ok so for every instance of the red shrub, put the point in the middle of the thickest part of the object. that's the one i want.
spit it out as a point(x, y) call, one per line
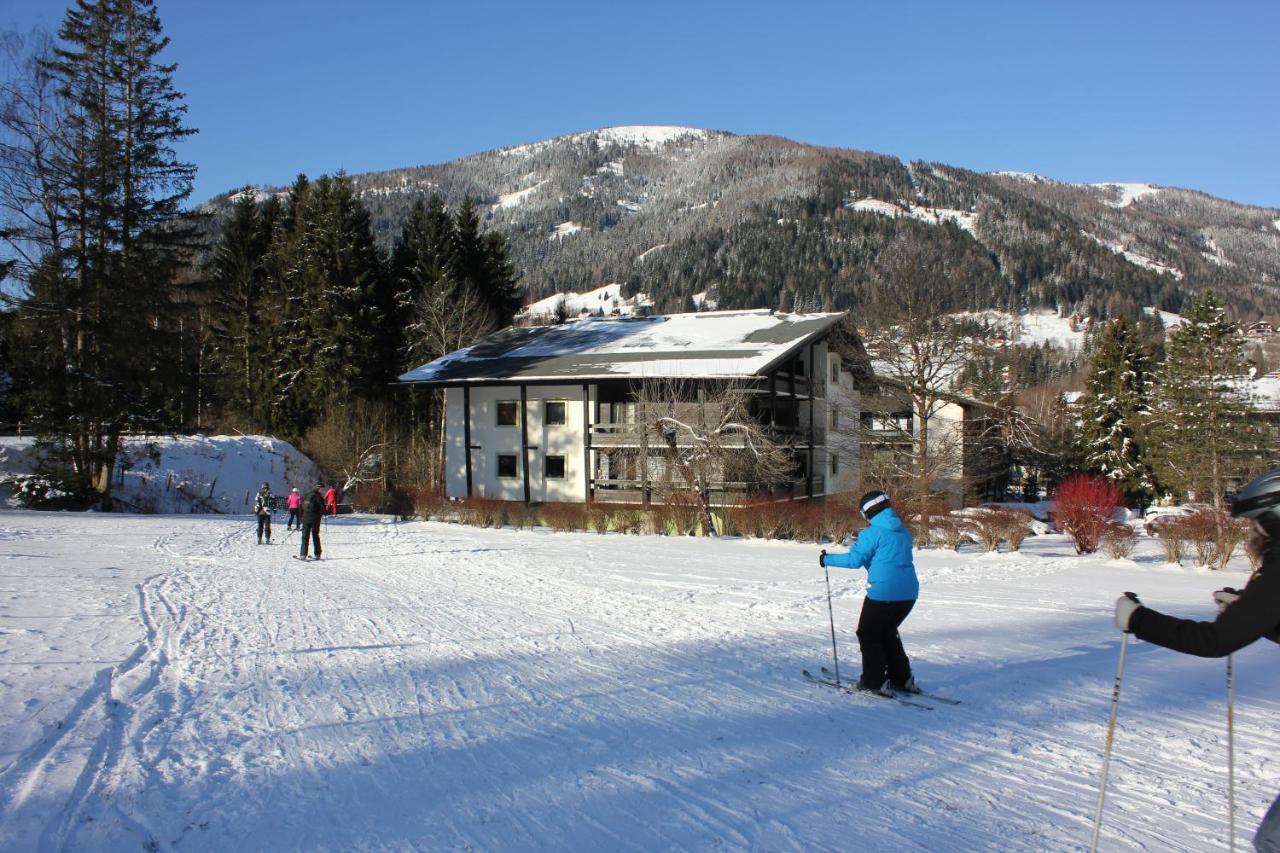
point(1083, 506)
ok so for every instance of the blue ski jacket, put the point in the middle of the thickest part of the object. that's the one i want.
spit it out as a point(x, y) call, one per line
point(884, 550)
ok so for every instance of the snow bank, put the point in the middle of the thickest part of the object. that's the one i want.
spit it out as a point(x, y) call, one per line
point(186, 474)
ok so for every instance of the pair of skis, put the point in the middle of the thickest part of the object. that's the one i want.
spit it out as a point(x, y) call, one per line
point(912, 700)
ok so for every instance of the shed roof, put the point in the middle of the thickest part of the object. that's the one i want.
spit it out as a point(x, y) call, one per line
point(713, 344)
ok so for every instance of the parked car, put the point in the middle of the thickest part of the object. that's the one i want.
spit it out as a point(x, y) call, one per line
point(1159, 515)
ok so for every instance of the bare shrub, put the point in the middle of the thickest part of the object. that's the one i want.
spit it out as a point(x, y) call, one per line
point(1214, 535)
point(481, 512)
point(809, 521)
point(628, 519)
point(988, 527)
point(680, 513)
point(1173, 539)
point(1017, 527)
point(598, 517)
point(947, 532)
point(521, 516)
point(428, 503)
point(1119, 540)
point(564, 517)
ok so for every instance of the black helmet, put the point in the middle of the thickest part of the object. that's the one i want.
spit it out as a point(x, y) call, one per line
point(1259, 499)
point(872, 503)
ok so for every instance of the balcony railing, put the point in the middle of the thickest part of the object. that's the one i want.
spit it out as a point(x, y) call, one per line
point(608, 490)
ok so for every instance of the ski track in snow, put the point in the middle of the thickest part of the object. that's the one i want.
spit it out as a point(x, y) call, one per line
point(432, 686)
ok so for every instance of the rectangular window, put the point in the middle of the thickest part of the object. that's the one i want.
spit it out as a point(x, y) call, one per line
point(507, 467)
point(508, 411)
point(835, 418)
point(555, 467)
point(556, 414)
point(835, 465)
point(835, 370)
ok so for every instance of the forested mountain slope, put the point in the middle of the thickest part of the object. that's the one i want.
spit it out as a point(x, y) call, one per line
point(767, 222)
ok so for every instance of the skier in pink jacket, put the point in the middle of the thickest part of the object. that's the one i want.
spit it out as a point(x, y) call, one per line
point(295, 510)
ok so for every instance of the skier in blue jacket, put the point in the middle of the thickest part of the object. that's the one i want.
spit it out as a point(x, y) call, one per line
point(884, 550)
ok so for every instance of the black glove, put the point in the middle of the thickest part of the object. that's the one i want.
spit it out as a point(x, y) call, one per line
point(1225, 597)
point(822, 558)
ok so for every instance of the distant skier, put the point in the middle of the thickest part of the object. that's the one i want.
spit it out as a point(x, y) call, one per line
point(884, 549)
point(295, 507)
point(331, 501)
point(1243, 617)
point(262, 506)
point(312, 515)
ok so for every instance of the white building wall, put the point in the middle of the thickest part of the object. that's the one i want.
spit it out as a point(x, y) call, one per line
point(489, 441)
point(843, 439)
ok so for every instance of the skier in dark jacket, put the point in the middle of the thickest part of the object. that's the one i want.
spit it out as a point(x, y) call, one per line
point(884, 549)
point(1243, 617)
point(262, 506)
point(312, 514)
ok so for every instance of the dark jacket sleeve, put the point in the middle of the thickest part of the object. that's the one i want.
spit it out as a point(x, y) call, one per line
point(1255, 614)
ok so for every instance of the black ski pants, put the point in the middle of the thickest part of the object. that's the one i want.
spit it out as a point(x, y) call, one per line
point(264, 524)
point(882, 653)
point(295, 519)
point(310, 534)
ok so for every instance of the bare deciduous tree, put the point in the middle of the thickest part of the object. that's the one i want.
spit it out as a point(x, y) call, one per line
point(448, 317)
point(708, 440)
point(919, 351)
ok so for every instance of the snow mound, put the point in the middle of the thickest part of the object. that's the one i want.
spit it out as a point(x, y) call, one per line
point(564, 229)
point(509, 200)
point(187, 474)
point(1123, 195)
point(1134, 257)
point(932, 215)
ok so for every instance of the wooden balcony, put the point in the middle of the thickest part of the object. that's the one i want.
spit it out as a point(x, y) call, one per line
point(722, 494)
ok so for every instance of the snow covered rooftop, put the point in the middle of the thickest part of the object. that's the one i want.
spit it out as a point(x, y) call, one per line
point(722, 344)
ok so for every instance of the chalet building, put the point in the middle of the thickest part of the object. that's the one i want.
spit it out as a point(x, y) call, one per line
point(1261, 330)
point(553, 413)
point(966, 465)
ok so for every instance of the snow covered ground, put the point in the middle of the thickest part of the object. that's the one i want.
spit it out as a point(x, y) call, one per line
point(167, 684)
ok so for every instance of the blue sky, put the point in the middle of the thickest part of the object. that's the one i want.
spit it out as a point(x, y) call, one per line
point(1173, 93)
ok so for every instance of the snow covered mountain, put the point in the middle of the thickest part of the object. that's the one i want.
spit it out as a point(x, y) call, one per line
point(759, 221)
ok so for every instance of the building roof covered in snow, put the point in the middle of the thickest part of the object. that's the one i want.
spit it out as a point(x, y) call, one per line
point(713, 344)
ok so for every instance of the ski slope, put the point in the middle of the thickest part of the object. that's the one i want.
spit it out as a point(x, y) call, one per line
point(166, 684)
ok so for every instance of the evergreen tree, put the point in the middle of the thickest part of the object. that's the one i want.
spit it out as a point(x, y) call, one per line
point(480, 261)
point(336, 300)
point(1201, 432)
point(100, 299)
point(1113, 408)
point(238, 276)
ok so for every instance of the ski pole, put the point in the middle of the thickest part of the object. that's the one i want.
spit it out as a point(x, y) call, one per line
point(1111, 731)
point(1231, 754)
point(831, 614)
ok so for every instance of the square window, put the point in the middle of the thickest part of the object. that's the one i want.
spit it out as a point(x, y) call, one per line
point(555, 467)
point(557, 413)
point(508, 410)
point(507, 467)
